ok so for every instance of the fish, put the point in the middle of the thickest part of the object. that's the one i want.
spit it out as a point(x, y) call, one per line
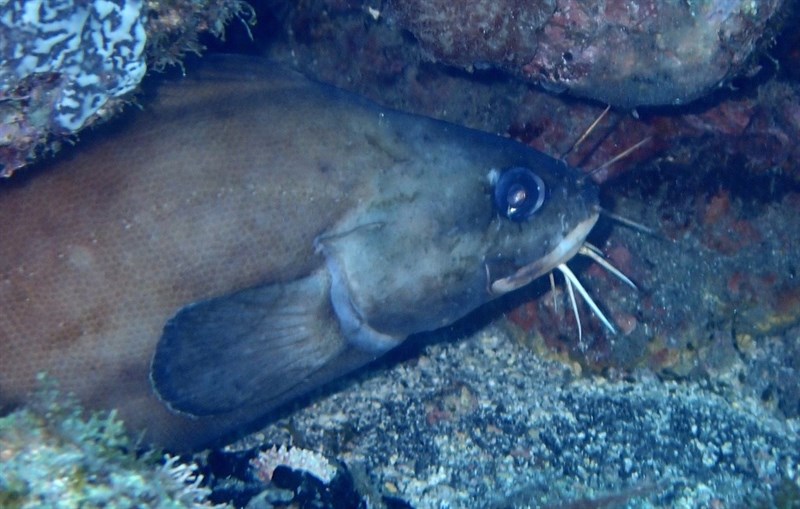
point(248, 235)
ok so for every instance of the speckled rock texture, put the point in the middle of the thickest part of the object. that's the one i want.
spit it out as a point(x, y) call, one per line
point(622, 52)
point(485, 423)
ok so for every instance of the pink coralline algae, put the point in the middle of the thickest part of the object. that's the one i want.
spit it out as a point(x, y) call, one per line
point(625, 53)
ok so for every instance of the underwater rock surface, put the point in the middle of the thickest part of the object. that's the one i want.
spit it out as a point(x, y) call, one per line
point(622, 52)
point(752, 121)
point(486, 423)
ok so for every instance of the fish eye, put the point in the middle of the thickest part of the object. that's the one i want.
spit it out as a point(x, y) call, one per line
point(518, 193)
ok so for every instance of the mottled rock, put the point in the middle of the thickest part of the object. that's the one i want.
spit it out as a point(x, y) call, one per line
point(532, 434)
point(622, 52)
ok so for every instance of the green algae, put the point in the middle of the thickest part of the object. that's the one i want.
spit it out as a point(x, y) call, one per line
point(51, 455)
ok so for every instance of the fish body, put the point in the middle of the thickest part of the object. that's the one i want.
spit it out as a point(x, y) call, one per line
point(250, 235)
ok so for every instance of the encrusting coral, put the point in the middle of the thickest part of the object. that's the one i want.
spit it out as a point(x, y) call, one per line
point(51, 456)
point(64, 64)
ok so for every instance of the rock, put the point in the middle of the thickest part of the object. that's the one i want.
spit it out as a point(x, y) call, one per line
point(622, 52)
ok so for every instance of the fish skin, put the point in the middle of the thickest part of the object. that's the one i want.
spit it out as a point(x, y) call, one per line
point(246, 182)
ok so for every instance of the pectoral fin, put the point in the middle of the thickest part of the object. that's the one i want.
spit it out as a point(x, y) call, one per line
point(255, 348)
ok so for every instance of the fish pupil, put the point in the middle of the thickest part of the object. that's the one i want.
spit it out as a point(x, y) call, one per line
point(517, 196)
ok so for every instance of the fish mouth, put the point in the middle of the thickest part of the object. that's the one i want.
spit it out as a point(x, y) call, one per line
point(563, 252)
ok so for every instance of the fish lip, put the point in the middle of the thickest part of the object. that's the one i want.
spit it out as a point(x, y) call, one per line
point(563, 252)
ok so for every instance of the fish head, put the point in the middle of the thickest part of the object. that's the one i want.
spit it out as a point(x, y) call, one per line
point(460, 223)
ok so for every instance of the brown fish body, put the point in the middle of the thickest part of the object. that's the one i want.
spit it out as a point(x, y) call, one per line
point(98, 252)
point(218, 185)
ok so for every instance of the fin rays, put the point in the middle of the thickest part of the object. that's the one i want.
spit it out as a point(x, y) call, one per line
point(246, 351)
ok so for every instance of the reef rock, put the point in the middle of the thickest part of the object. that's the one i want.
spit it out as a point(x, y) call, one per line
point(623, 52)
